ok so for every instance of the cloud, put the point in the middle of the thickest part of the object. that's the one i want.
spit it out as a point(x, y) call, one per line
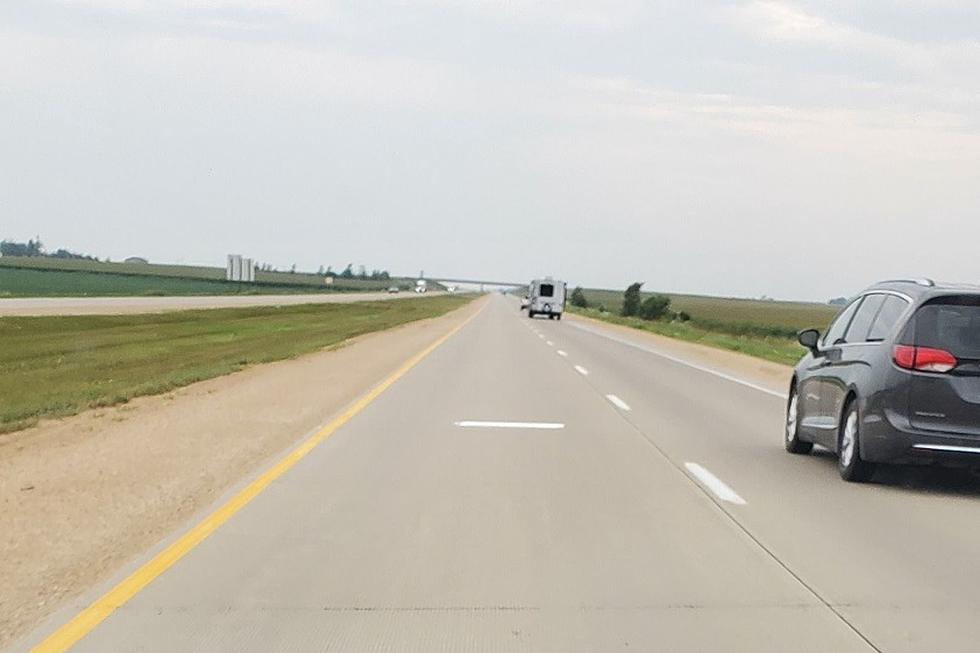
point(580, 14)
point(789, 24)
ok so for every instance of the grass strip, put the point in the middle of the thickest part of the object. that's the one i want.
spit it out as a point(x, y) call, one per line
point(55, 366)
point(772, 348)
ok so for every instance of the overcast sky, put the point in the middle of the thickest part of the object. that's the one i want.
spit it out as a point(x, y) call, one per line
point(799, 150)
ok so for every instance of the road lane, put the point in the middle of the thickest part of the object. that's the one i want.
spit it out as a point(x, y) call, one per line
point(405, 531)
point(894, 558)
point(125, 305)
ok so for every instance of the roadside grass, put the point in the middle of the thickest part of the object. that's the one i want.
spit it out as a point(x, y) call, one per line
point(742, 317)
point(778, 349)
point(60, 365)
point(67, 277)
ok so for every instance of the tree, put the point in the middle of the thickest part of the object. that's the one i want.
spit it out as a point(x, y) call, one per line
point(631, 299)
point(654, 307)
point(361, 272)
point(348, 272)
point(320, 271)
point(35, 247)
point(292, 270)
point(10, 248)
point(578, 298)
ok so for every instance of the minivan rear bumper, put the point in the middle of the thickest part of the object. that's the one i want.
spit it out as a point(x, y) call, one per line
point(886, 442)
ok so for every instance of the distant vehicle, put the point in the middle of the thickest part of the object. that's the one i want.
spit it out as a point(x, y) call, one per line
point(525, 302)
point(420, 285)
point(394, 289)
point(546, 297)
point(896, 379)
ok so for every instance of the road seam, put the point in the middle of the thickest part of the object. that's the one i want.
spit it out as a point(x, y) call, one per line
point(98, 611)
point(720, 506)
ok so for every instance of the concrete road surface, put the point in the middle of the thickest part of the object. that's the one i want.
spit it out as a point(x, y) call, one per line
point(123, 305)
point(558, 486)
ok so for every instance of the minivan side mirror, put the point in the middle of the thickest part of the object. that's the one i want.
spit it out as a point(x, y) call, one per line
point(809, 339)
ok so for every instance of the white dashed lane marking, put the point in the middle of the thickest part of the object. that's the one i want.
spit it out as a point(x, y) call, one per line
point(714, 484)
point(617, 402)
point(470, 424)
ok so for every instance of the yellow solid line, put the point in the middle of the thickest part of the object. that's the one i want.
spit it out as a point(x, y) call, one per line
point(86, 620)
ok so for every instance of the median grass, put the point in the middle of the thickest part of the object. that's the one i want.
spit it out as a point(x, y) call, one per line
point(59, 365)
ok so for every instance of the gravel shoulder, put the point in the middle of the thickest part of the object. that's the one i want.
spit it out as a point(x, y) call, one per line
point(82, 496)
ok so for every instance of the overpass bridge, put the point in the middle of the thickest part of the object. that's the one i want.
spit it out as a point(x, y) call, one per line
point(479, 282)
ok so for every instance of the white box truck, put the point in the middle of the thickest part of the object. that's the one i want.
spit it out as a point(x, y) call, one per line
point(546, 297)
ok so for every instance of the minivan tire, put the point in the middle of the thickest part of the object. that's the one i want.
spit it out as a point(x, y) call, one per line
point(530, 313)
point(851, 466)
point(791, 434)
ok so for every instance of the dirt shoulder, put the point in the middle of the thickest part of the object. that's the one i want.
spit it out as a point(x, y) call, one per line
point(767, 374)
point(81, 496)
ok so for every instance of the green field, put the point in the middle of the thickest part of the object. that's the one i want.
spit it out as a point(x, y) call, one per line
point(19, 282)
point(731, 315)
point(50, 277)
point(762, 328)
point(56, 366)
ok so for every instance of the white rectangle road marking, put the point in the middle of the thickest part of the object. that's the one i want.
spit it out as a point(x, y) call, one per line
point(617, 402)
point(562, 352)
point(549, 343)
point(581, 370)
point(681, 361)
point(714, 484)
point(509, 425)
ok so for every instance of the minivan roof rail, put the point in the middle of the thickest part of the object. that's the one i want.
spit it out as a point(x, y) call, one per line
point(921, 281)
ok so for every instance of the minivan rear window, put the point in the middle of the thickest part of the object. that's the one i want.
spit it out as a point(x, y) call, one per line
point(949, 323)
point(546, 290)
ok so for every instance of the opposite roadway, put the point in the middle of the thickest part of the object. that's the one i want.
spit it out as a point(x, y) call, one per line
point(122, 305)
point(638, 503)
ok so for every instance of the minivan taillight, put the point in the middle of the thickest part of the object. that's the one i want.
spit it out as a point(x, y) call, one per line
point(923, 359)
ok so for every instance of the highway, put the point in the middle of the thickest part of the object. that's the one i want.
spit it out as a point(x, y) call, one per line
point(560, 486)
point(123, 305)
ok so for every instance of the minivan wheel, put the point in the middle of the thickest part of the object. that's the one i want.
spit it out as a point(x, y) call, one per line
point(792, 435)
point(530, 313)
point(849, 462)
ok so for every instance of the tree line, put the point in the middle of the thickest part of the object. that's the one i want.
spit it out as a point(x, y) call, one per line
point(34, 247)
point(654, 307)
point(349, 273)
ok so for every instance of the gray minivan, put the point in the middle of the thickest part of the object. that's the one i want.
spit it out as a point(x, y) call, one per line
point(896, 379)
